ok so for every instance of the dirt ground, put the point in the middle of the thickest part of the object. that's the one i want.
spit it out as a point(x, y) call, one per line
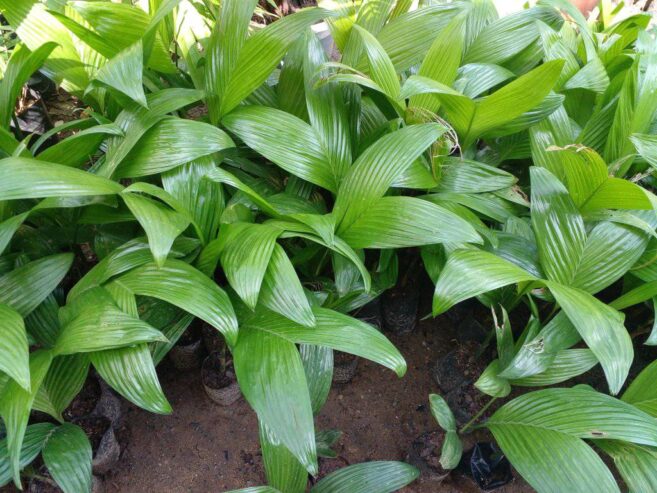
point(203, 447)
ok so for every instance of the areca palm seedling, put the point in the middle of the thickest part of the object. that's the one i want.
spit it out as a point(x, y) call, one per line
point(241, 175)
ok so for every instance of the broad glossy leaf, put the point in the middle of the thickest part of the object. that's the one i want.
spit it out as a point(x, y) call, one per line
point(566, 364)
point(26, 178)
point(476, 78)
point(272, 379)
point(261, 53)
point(285, 140)
point(181, 285)
point(170, 143)
point(395, 222)
point(24, 288)
point(469, 273)
point(132, 254)
point(95, 310)
point(509, 35)
point(557, 419)
point(337, 331)
point(67, 454)
point(377, 168)
point(368, 477)
point(35, 26)
point(135, 121)
point(465, 176)
point(515, 98)
point(62, 383)
point(609, 252)
point(79, 148)
point(14, 348)
point(408, 37)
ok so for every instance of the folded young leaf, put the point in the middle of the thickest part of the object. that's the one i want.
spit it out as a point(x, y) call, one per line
point(381, 69)
point(14, 348)
point(327, 111)
point(452, 449)
point(123, 73)
point(646, 145)
point(161, 224)
point(26, 178)
point(368, 477)
point(442, 62)
point(260, 55)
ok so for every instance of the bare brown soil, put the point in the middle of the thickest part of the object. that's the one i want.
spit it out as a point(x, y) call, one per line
point(203, 447)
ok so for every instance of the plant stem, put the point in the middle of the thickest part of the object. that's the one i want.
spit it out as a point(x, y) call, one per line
point(477, 416)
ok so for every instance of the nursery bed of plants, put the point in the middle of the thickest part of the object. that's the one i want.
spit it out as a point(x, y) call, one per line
point(344, 246)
